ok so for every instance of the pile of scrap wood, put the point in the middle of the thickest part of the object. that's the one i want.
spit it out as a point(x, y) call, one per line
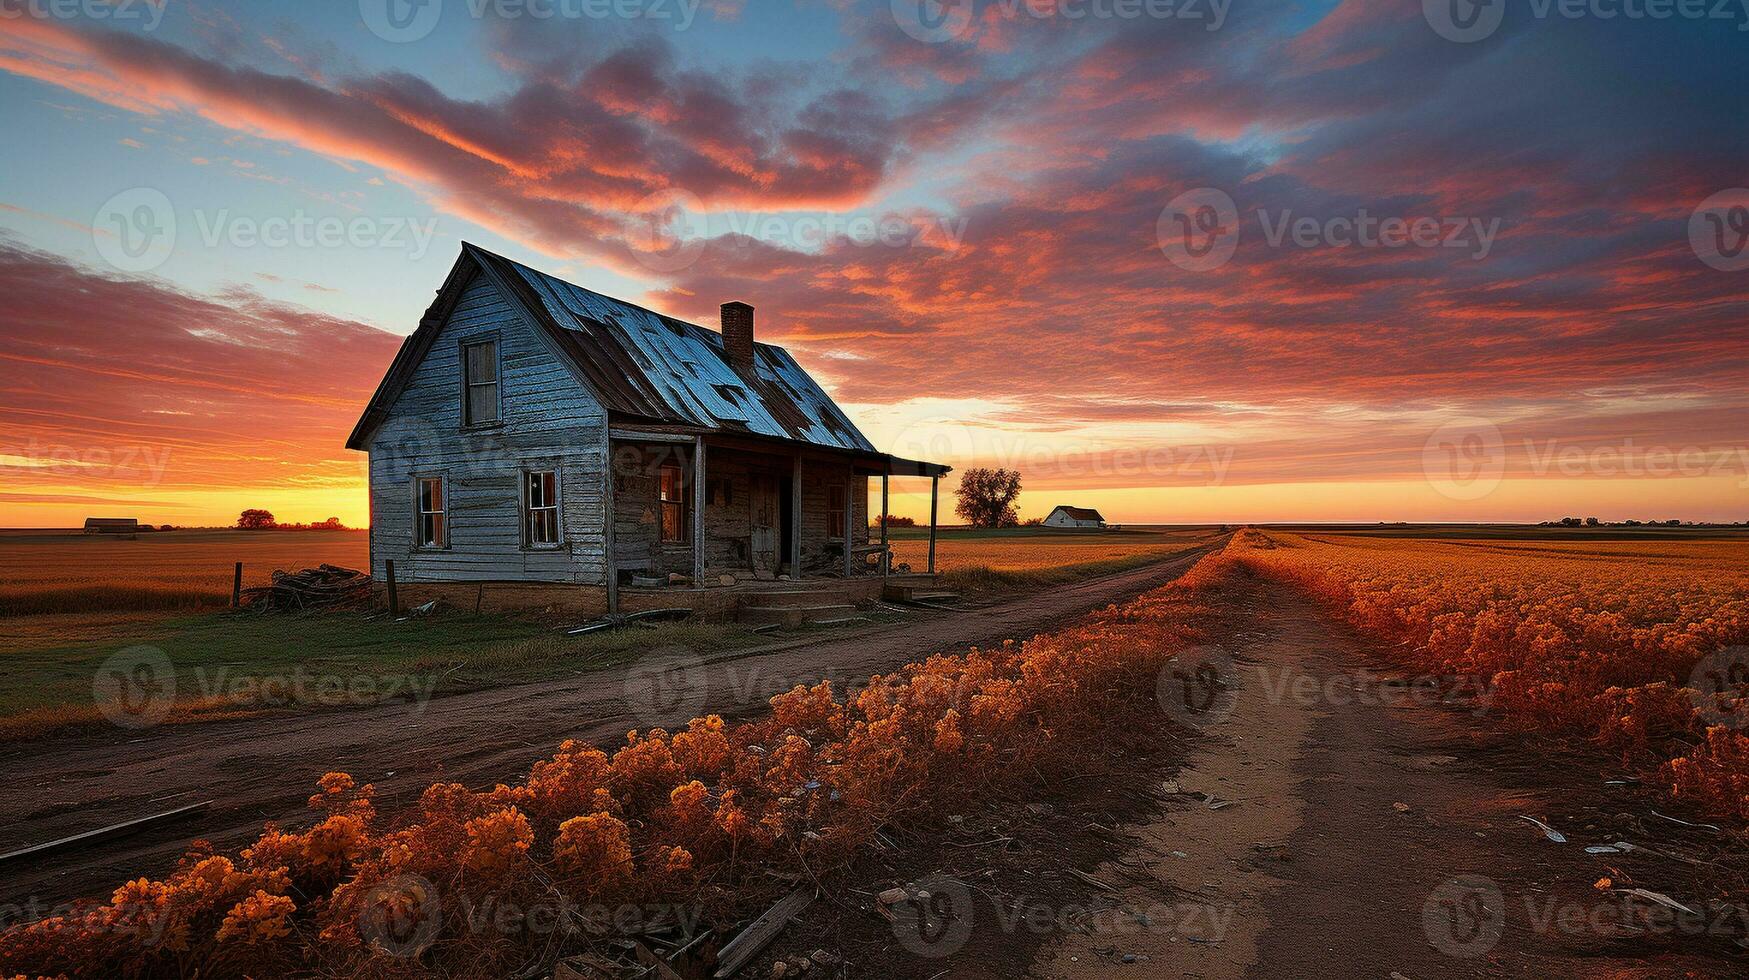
point(322, 587)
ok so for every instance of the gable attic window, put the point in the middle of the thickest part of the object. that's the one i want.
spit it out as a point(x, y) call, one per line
point(480, 382)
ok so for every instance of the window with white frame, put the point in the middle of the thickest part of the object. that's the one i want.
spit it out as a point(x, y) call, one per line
point(432, 530)
point(540, 509)
point(480, 382)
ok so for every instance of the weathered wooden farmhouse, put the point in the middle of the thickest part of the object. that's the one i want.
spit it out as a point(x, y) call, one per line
point(531, 430)
point(1083, 517)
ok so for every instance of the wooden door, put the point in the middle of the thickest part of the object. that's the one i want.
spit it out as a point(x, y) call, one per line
point(764, 516)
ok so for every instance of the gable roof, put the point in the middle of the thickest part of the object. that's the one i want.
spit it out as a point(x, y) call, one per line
point(1080, 513)
point(641, 365)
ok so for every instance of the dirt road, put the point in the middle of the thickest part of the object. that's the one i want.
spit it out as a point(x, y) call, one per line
point(262, 769)
point(1372, 829)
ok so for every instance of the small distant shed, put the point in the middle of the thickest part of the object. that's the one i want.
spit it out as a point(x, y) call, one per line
point(111, 525)
point(1066, 516)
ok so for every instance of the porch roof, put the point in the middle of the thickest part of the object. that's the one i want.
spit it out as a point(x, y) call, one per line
point(869, 461)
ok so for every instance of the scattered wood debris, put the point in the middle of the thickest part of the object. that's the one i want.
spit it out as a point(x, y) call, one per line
point(102, 833)
point(323, 587)
point(759, 935)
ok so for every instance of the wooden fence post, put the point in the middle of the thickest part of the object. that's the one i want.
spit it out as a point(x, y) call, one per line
point(237, 587)
point(394, 597)
point(934, 494)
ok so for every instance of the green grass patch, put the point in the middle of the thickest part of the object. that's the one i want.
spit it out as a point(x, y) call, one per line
point(225, 664)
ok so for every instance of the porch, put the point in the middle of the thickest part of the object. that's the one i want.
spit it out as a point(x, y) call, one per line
point(704, 519)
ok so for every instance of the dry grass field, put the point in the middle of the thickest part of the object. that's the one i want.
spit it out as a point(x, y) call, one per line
point(1641, 647)
point(60, 572)
point(988, 560)
point(69, 572)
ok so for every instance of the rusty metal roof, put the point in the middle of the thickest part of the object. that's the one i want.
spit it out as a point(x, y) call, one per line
point(645, 365)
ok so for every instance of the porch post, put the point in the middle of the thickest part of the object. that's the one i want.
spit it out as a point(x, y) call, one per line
point(795, 518)
point(850, 519)
point(886, 556)
point(607, 507)
point(698, 503)
point(934, 491)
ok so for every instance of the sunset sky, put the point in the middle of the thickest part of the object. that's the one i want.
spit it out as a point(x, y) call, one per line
point(966, 225)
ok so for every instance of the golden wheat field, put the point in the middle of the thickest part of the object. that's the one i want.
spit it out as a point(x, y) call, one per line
point(1641, 646)
point(1026, 549)
point(69, 572)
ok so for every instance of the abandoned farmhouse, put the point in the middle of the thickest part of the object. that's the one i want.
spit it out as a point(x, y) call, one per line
point(534, 431)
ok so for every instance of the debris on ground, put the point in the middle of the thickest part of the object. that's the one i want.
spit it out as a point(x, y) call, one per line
point(613, 620)
point(323, 587)
point(1548, 831)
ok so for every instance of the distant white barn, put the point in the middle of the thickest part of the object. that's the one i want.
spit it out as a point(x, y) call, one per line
point(1066, 516)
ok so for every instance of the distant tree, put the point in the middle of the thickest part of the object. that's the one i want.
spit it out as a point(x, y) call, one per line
point(255, 519)
point(331, 524)
point(894, 520)
point(1033, 522)
point(986, 497)
point(1592, 522)
point(1570, 522)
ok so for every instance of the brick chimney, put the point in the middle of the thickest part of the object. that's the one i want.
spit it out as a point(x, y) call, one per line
point(738, 336)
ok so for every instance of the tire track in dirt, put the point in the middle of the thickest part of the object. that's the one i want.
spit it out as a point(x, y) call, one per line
point(265, 768)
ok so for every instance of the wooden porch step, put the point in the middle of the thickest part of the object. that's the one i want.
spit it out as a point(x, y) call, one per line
point(917, 591)
point(793, 615)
